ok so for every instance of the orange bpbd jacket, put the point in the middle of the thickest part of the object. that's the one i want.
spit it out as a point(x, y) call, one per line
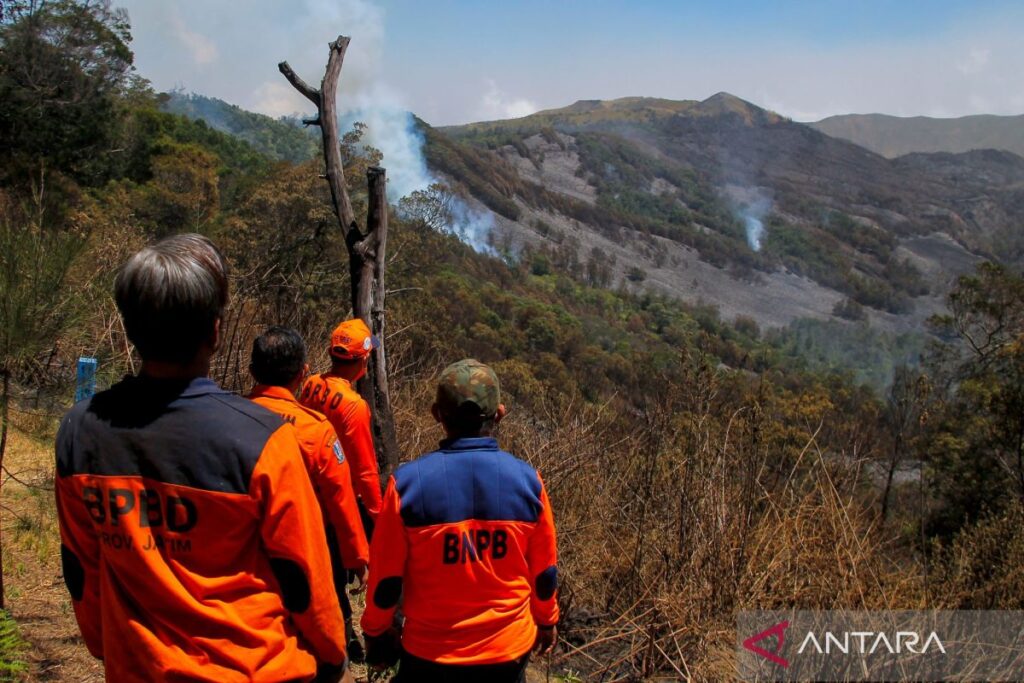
point(466, 534)
point(328, 471)
point(192, 542)
point(350, 416)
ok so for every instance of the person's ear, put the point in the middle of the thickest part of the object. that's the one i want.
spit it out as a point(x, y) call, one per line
point(500, 414)
point(215, 338)
point(298, 379)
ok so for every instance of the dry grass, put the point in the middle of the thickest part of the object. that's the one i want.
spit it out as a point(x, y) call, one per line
point(666, 529)
point(36, 594)
point(671, 518)
point(675, 517)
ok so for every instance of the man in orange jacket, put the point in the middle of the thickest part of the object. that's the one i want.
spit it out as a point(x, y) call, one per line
point(279, 365)
point(466, 540)
point(191, 540)
point(333, 394)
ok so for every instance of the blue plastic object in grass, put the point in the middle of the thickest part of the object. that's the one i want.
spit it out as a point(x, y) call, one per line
point(85, 384)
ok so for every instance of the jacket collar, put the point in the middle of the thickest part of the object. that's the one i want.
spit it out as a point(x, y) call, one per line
point(197, 386)
point(478, 443)
point(202, 385)
point(337, 378)
point(270, 391)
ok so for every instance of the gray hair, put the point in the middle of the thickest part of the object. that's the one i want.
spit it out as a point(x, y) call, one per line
point(170, 296)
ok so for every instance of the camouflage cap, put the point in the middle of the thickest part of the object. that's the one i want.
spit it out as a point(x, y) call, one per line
point(469, 382)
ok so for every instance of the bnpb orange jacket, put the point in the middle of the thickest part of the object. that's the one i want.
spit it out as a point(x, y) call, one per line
point(466, 534)
point(328, 471)
point(350, 416)
point(191, 539)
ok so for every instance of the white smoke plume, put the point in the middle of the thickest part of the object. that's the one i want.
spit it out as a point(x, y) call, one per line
point(391, 128)
point(755, 228)
point(753, 220)
point(214, 38)
point(473, 227)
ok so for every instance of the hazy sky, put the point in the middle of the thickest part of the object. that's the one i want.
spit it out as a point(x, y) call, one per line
point(454, 61)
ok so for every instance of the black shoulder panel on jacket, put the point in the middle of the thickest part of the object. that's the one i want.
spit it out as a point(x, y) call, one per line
point(193, 434)
point(295, 589)
point(74, 573)
point(388, 593)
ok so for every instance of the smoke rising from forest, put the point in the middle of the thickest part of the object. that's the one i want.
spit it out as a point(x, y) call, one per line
point(753, 220)
point(392, 130)
point(391, 127)
point(755, 228)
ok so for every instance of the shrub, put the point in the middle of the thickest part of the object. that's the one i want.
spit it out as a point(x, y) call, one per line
point(12, 649)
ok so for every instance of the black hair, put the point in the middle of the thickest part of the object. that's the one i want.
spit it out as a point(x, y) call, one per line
point(278, 355)
point(465, 420)
point(340, 363)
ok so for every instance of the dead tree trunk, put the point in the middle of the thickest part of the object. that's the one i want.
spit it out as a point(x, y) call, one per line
point(377, 225)
point(366, 251)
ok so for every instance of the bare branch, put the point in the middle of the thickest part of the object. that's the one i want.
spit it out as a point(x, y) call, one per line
point(327, 119)
point(332, 141)
point(310, 93)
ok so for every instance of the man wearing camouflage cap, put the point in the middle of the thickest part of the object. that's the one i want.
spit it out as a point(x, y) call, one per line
point(466, 540)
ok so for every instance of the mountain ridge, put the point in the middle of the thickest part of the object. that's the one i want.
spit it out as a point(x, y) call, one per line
point(659, 194)
point(893, 136)
point(588, 112)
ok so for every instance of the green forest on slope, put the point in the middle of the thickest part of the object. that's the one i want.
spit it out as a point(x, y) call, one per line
point(283, 139)
point(686, 459)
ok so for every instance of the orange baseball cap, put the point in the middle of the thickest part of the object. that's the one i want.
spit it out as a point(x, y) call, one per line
point(352, 339)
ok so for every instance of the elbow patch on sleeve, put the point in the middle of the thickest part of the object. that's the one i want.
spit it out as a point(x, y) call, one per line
point(547, 583)
point(294, 584)
point(388, 592)
point(74, 573)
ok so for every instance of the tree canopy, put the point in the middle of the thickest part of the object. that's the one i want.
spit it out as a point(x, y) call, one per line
point(63, 67)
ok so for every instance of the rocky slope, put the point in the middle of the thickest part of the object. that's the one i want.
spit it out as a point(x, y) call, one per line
point(672, 188)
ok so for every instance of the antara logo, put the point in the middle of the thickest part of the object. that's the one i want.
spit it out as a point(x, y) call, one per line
point(779, 631)
point(870, 642)
point(842, 642)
